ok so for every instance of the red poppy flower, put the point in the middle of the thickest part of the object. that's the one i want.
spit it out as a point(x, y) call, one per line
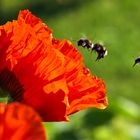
point(45, 73)
point(20, 122)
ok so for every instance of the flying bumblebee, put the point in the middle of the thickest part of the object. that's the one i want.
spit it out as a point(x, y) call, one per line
point(98, 48)
point(85, 43)
point(137, 61)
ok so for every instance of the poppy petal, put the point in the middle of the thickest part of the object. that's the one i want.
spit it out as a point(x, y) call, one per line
point(47, 74)
point(20, 122)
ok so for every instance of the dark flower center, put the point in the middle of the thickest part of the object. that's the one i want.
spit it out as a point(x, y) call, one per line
point(10, 86)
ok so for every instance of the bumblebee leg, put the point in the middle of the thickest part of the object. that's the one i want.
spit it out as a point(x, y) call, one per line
point(134, 64)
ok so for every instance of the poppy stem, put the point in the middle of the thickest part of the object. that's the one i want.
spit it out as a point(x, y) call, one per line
point(3, 96)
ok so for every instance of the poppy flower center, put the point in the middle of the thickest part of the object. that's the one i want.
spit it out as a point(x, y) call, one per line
point(10, 86)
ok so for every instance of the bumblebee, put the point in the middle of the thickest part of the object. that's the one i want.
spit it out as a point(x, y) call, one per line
point(98, 48)
point(85, 43)
point(137, 61)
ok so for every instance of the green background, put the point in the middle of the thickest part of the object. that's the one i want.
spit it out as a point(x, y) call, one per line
point(115, 23)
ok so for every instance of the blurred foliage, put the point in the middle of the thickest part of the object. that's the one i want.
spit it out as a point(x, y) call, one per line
point(116, 24)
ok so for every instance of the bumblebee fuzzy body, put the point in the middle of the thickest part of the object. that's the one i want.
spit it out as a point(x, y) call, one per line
point(84, 43)
point(98, 48)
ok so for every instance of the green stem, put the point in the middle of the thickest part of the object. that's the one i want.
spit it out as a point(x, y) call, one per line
point(3, 96)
